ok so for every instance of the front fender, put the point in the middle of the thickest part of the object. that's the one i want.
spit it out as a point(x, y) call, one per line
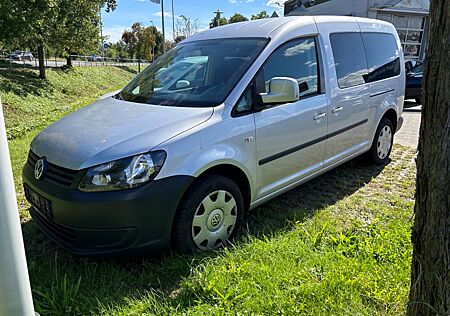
point(220, 141)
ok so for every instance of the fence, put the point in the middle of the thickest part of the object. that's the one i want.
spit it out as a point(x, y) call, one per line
point(29, 60)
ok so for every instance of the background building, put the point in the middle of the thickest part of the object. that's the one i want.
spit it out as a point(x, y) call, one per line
point(410, 17)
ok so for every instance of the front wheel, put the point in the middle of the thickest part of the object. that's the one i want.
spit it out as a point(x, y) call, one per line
point(209, 216)
point(382, 143)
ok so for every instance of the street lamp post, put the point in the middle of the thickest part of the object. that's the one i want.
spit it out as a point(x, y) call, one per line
point(154, 41)
point(15, 291)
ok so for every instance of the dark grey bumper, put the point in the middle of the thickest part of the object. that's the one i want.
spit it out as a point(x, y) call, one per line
point(137, 221)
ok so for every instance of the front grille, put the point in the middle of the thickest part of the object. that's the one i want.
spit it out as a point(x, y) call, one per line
point(54, 173)
point(59, 232)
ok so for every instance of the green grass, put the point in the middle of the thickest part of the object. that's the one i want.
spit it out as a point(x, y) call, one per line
point(338, 245)
point(30, 103)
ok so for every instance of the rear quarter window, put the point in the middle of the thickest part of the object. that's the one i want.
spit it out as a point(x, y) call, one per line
point(383, 56)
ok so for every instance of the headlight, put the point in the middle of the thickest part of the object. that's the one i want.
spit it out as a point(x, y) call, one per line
point(122, 174)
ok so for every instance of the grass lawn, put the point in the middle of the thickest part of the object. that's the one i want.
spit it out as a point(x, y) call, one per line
point(338, 245)
point(31, 103)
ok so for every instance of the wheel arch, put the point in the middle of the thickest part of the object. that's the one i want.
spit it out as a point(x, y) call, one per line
point(390, 114)
point(234, 173)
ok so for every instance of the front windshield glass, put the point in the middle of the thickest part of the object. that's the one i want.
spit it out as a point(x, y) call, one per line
point(195, 74)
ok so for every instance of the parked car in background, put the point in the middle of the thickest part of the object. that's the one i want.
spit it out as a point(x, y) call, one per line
point(21, 55)
point(16, 55)
point(228, 119)
point(95, 58)
point(414, 78)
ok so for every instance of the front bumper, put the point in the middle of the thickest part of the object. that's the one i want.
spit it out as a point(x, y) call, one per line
point(135, 221)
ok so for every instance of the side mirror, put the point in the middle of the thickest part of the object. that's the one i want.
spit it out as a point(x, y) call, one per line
point(109, 94)
point(182, 84)
point(281, 90)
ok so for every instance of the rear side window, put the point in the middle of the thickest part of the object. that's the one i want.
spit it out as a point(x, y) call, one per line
point(382, 56)
point(349, 59)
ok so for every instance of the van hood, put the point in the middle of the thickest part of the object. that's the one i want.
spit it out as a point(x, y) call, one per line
point(112, 129)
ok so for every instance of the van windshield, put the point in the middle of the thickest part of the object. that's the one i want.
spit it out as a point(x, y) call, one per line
point(195, 74)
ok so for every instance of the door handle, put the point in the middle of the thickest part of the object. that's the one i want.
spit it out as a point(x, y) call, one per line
point(320, 116)
point(337, 109)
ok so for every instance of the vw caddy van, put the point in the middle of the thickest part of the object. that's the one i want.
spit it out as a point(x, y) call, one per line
point(228, 119)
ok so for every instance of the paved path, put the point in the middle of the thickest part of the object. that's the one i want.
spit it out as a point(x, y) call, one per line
point(409, 133)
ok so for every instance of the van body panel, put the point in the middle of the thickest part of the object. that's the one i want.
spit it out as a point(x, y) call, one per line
point(290, 142)
point(222, 140)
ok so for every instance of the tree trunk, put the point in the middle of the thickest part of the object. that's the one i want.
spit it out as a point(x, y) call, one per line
point(430, 270)
point(41, 62)
point(69, 61)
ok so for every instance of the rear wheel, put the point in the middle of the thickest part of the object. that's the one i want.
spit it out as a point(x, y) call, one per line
point(209, 216)
point(382, 143)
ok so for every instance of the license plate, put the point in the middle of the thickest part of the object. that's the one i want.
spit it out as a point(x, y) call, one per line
point(39, 202)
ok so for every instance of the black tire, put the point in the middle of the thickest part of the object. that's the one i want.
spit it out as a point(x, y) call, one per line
point(374, 153)
point(182, 230)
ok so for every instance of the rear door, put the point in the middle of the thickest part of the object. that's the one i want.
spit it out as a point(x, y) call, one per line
point(349, 98)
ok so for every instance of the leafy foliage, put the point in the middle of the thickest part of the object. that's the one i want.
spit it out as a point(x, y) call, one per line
point(260, 15)
point(141, 42)
point(237, 17)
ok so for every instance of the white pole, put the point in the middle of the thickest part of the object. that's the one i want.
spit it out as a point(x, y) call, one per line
point(15, 291)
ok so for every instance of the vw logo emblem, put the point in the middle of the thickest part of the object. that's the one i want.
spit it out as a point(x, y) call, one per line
point(39, 168)
point(215, 220)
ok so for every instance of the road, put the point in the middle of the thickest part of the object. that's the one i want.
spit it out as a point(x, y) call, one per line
point(408, 135)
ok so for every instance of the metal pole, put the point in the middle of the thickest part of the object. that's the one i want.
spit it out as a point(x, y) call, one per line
point(15, 291)
point(164, 33)
point(173, 23)
point(154, 42)
point(101, 33)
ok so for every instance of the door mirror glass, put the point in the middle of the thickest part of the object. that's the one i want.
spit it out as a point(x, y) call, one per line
point(281, 90)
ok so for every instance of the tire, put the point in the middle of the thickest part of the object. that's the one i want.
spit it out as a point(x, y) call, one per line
point(217, 219)
point(382, 142)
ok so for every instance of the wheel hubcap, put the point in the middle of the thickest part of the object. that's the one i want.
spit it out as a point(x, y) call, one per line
point(214, 220)
point(384, 142)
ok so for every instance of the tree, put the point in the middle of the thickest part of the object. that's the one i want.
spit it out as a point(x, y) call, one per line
point(185, 27)
point(237, 17)
point(50, 23)
point(142, 42)
point(77, 25)
point(260, 15)
point(430, 271)
point(217, 22)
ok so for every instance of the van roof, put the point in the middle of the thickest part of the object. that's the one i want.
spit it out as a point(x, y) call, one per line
point(269, 27)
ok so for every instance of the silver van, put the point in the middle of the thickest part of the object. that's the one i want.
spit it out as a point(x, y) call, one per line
point(227, 120)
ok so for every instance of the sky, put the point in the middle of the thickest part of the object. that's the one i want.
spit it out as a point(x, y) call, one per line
point(144, 11)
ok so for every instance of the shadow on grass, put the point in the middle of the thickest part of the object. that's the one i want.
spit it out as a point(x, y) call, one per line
point(129, 69)
point(23, 82)
point(107, 281)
